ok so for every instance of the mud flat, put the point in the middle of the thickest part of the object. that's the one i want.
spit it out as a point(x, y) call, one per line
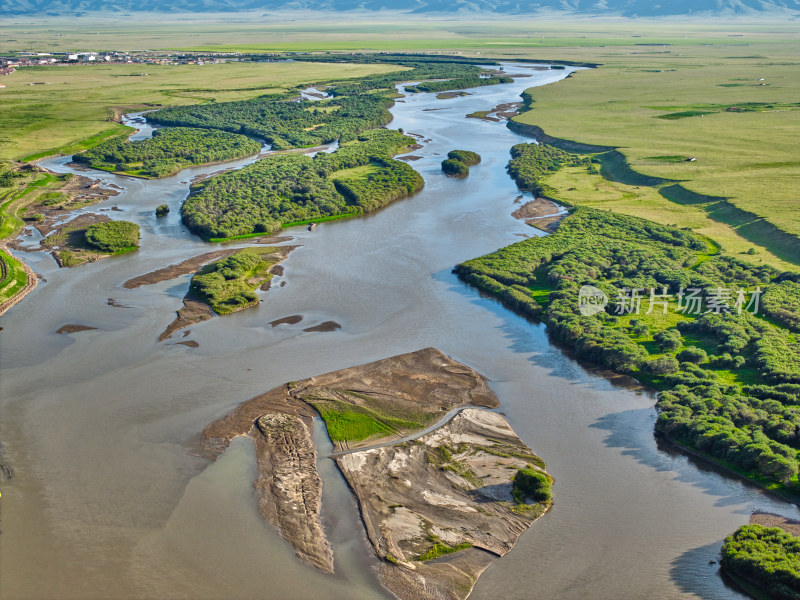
point(499, 113)
point(324, 326)
point(447, 493)
point(74, 328)
point(190, 265)
point(540, 213)
point(774, 520)
point(438, 508)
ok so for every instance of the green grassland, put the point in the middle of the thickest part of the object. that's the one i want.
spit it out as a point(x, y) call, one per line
point(306, 32)
point(743, 182)
point(13, 277)
point(75, 107)
point(351, 422)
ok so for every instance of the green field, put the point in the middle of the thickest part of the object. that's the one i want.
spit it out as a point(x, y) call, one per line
point(349, 422)
point(77, 103)
point(742, 187)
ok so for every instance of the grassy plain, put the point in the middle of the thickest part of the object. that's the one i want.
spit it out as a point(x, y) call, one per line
point(77, 102)
point(747, 171)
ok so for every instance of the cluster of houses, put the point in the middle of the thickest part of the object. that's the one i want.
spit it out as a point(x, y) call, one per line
point(8, 63)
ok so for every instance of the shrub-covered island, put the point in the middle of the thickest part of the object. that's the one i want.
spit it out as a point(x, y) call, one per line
point(767, 558)
point(467, 157)
point(229, 285)
point(458, 162)
point(168, 151)
point(287, 189)
point(114, 237)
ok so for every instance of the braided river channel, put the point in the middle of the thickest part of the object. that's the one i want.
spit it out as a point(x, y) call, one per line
point(111, 499)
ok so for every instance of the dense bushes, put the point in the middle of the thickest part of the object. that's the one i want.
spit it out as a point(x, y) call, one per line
point(113, 236)
point(458, 162)
point(228, 285)
point(459, 83)
point(455, 168)
point(288, 188)
point(285, 123)
point(700, 365)
point(782, 303)
point(533, 484)
point(168, 151)
point(766, 557)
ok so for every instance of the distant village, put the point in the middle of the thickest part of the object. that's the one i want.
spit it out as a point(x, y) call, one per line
point(9, 64)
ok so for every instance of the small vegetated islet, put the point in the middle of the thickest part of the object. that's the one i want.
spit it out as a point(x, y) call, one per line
point(229, 285)
point(458, 162)
point(114, 237)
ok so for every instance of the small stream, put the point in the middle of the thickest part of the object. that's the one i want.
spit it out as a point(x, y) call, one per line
point(111, 500)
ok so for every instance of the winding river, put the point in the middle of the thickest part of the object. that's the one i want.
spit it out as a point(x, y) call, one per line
point(110, 500)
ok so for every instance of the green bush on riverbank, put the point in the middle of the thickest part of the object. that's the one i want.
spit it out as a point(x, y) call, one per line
point(531, 162)
point(766, 557)
point(532, 484)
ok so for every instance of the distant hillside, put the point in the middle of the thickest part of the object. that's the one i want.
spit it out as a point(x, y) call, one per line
point(628, 8)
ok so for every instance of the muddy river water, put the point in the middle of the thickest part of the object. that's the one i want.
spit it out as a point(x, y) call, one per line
point(109, 498)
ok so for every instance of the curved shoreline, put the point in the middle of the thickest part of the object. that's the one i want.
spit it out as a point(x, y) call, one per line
point(33, 281)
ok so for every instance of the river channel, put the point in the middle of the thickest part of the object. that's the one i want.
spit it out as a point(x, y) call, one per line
point(109, 498)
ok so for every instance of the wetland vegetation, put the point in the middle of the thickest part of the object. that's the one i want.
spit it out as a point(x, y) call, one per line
point(288, 189)
point(167, 152)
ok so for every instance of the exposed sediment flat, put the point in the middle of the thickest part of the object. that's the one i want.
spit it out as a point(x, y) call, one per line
point(449, 488)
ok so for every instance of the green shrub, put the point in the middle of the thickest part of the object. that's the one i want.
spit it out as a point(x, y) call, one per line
point(168, 151)
point(766, 557)
point(692, 354)
point(162, 211)
point(533, 484)
point(112, 236)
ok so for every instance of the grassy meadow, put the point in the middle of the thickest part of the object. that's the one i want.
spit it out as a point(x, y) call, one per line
point(661, 108)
